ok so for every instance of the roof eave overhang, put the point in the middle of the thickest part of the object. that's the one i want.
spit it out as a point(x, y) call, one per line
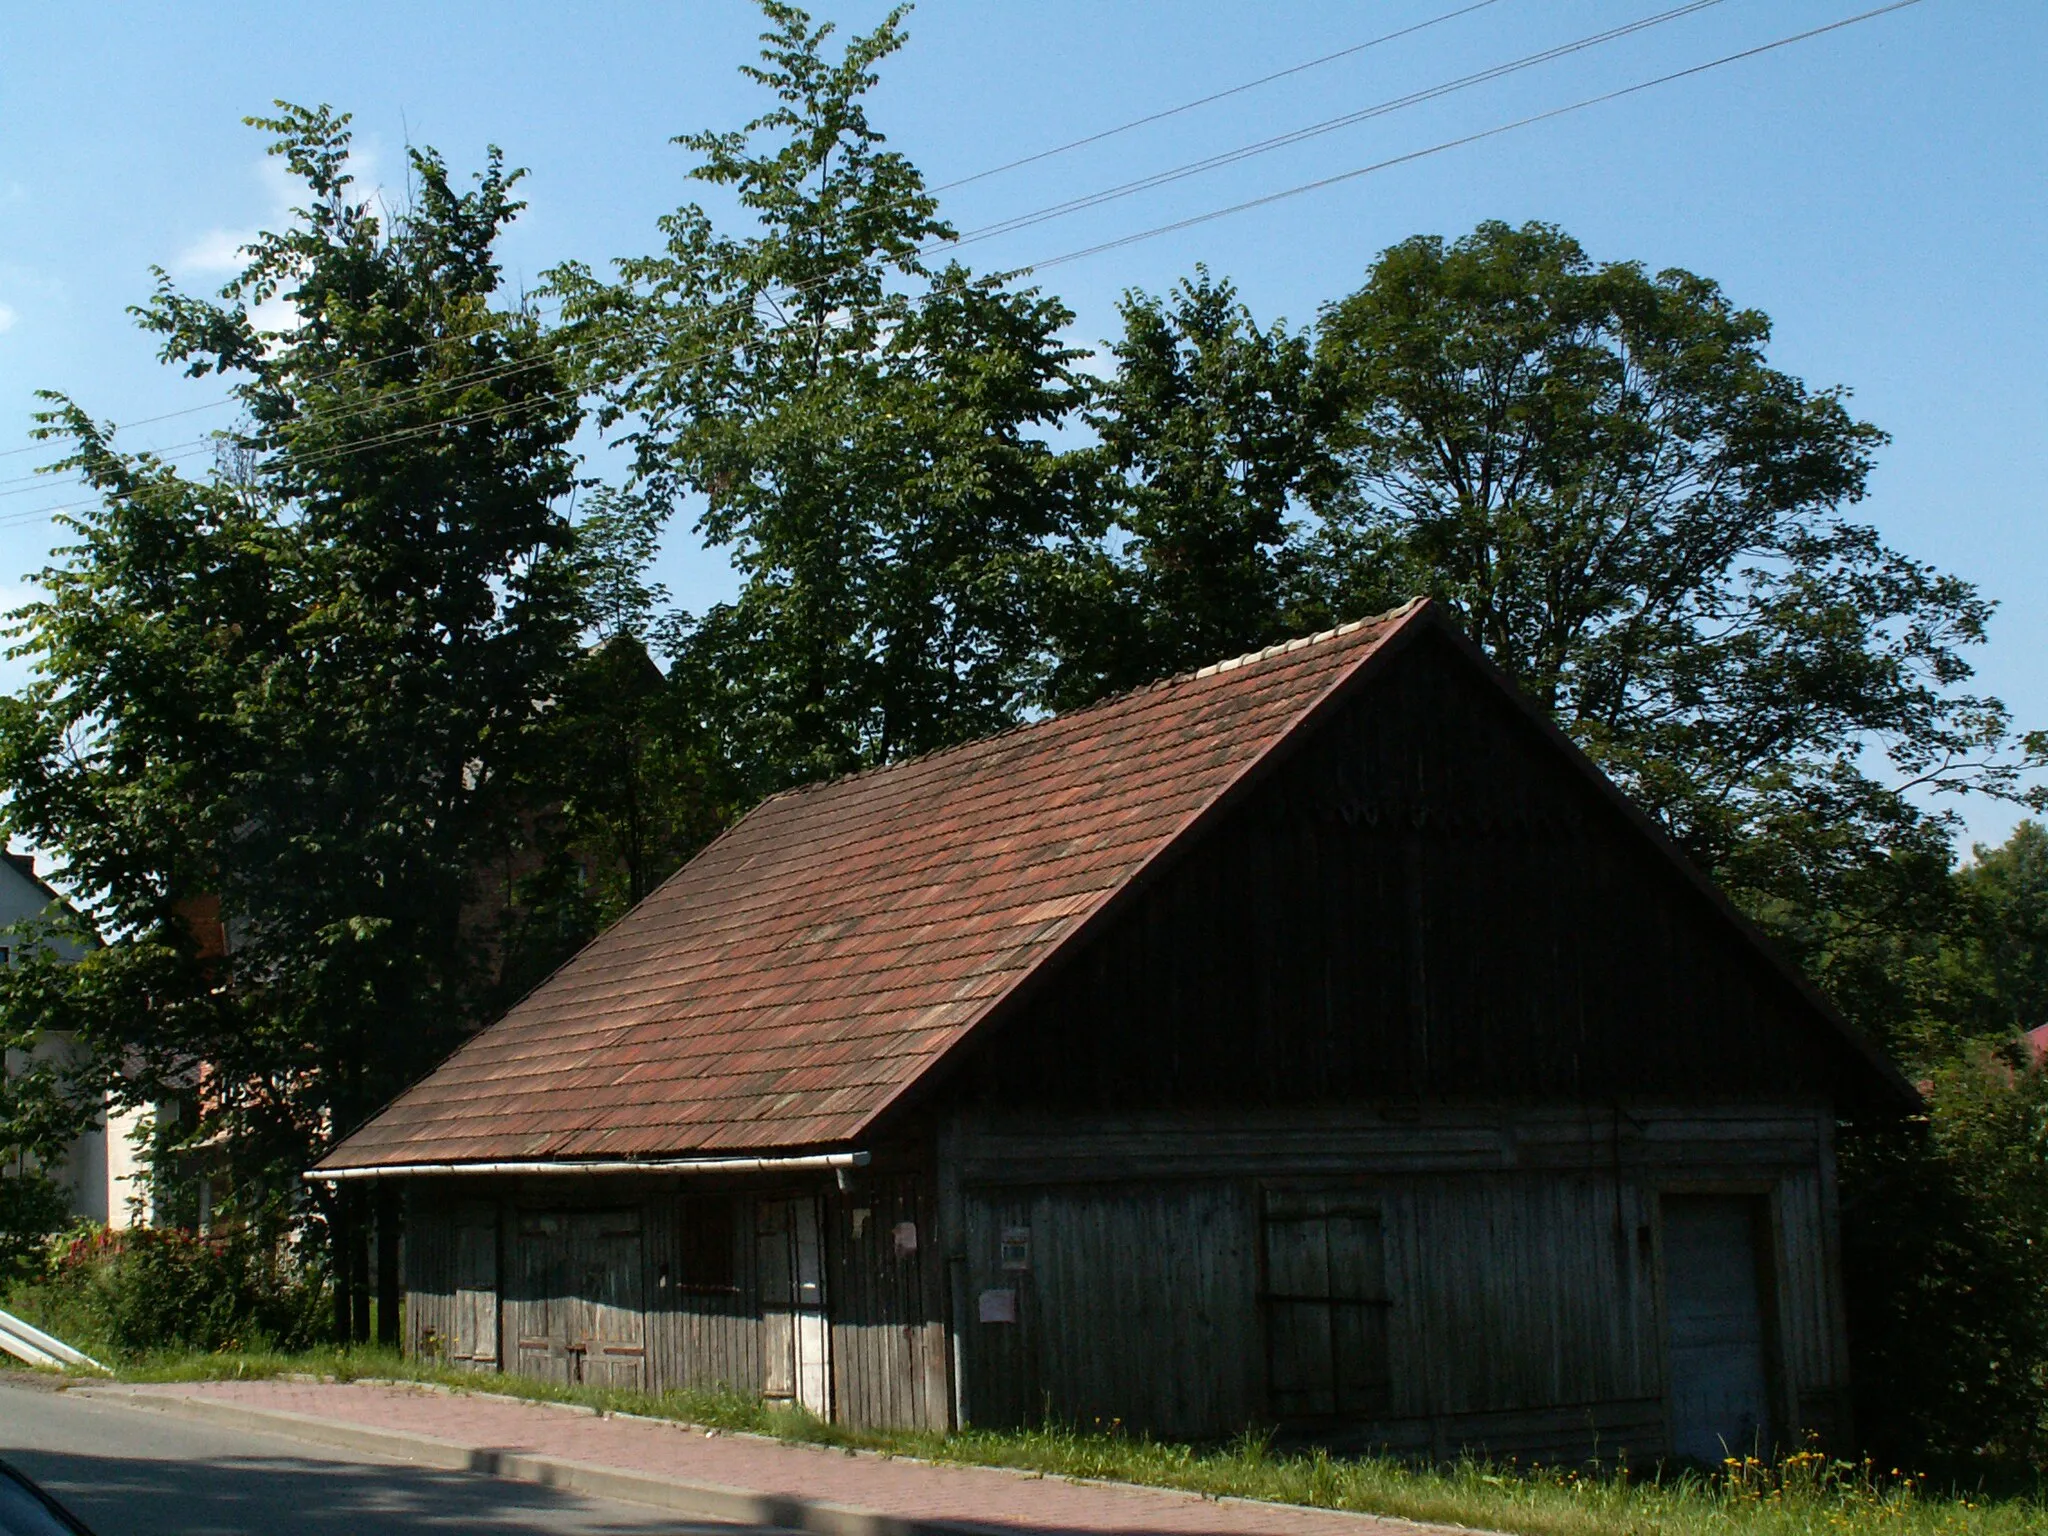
point(800, 1162)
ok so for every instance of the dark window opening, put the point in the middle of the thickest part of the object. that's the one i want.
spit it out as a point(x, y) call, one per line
point(1326, 1306)
point(709, 1245)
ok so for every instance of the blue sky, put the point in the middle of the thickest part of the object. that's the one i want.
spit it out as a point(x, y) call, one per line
point(1878, 191)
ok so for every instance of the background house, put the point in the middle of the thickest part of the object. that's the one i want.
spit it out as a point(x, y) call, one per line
point(102, 1170)
point(1315, 1040)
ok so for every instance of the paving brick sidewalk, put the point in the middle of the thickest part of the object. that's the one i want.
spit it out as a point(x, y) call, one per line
point(905, 1489)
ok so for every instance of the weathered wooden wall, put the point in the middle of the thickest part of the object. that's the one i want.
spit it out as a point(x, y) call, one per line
point(1519, 1244)
point(692, 1334)
point(662, 1310)
point(1426, 899)
point(887, 1304)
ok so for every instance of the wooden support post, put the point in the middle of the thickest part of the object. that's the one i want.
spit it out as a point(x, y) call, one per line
point(342, 1241)
point(359, 1269)
point(387, 1263)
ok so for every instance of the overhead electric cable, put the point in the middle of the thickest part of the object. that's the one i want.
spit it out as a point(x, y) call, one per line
point(1327, 125)
point(983, 175)
point(1215, 96)
point(1470, 138)
point(1178, 224)
point(30, 484)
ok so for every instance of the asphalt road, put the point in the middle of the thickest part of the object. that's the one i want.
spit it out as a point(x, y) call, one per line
point(137, 1472)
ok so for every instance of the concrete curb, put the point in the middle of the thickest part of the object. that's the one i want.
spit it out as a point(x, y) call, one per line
point(711, 1501)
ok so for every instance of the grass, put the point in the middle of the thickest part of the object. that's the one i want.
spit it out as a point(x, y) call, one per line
point(1805, 1494)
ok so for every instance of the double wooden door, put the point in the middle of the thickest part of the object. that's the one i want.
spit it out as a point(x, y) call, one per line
point(579, 1301)
point(1325, 1298)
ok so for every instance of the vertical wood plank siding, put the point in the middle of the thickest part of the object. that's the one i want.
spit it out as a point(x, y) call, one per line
point(887, 1308)
point(887, 1305)
point(429, 1273)
point(1138, 1307)
point(1424, 900)
point(701, 1338)
point(1520, 1242)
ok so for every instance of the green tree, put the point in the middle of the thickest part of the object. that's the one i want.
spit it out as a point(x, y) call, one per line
point(2000, 949)
point(307, 686)
point(1213, 434)
point(1647, 526)
point(1945, 1251)
point(1947, 1224)
point(862, 431)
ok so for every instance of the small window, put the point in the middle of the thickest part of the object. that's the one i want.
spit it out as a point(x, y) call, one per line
point(708, 1245)
point(1326, 1306)
point(6, 955)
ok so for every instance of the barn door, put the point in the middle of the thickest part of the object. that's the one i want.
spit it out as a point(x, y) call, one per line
point(1326, 1306)
point(1714, 1311)
point(791, 1268)
point(582, 1320)
point(476, 1286)
point(540, 1280)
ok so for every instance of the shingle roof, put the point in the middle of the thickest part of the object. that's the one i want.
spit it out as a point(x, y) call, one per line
point(810, 964)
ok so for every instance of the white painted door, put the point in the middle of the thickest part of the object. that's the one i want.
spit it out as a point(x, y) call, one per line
point(795, 1341)
point(1714, 1309)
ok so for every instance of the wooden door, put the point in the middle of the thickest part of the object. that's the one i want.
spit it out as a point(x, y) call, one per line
point(1326, 1307)
point(790, 1268)
point(540, 1267)
point(582, 1320)
point(476, 1286)
point(606, 1318)
point(1716, 1327)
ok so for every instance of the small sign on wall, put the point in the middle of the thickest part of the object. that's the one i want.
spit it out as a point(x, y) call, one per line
point(905, 1233)
point(998, 1306)
point(1016, 1249)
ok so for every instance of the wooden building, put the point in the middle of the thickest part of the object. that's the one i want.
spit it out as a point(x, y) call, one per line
point(1317, 1040)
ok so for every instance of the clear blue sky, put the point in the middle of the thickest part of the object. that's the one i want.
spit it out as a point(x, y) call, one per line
point(1879, 191)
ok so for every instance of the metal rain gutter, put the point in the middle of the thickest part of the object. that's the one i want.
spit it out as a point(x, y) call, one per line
point(809, 1160)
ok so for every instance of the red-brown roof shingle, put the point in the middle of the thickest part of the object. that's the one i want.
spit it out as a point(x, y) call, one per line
point(802, 971)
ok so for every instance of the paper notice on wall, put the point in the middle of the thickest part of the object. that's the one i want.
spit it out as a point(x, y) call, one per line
point(906, 1238)
point(999, 1306)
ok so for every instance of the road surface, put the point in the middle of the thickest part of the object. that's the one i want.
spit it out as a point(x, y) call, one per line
point(134, 1472)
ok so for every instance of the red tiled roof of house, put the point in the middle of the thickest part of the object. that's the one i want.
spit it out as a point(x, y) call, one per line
point(802, 971)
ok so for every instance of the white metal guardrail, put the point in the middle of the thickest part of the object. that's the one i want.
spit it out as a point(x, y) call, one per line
point(29, 1343)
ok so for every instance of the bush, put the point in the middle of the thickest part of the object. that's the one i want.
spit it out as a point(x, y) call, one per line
point(147, 1291)
point(1945, 1250)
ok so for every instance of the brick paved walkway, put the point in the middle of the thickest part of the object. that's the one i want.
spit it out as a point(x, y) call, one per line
point(907, 1489)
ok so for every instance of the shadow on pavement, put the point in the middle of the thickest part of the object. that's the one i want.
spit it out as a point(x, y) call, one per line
point(283, 1496)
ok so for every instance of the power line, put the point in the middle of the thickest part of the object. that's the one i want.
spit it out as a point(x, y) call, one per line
point(1203, 101)
point(1329, 125)
point(1179, 224)
point(22, 484)
point(983, 175)
point(1470, 138)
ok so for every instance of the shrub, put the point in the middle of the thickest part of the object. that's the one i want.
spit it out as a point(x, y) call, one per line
point(147, 1291)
